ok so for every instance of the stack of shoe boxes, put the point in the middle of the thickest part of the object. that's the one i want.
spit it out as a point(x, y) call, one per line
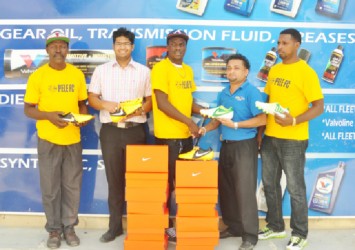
point(146, 196)
point(196, 197)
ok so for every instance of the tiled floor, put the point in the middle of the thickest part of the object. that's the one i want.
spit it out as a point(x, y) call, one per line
point(35, 238)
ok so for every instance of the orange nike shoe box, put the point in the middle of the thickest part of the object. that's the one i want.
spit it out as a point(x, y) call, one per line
point(146, 183)
point(211, 199)
point(147, 236)
point(183, 247)
point(196, 174)
point(147, 158)
point(197, 224)
point(196, 195)
point(153, 208)
point(197, 241)
point(146, 194)
point(196, 210)
point(146, 245)
point(193, 235)
point(196, 191)
point(144, 230)
point(148, 221)
point(147, 177)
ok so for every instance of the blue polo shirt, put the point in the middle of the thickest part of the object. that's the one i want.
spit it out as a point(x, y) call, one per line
point(243, 103)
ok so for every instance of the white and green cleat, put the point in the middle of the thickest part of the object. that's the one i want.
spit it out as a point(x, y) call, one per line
point(268, 233)
point(219, 112)
point(296, 243)
point(272, 108)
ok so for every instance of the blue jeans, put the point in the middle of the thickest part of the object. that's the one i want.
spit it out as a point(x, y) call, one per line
point(288, 155)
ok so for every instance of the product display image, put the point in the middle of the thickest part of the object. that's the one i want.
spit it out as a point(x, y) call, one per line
point(269, 61)
point(333, 65)
point(326, 189)
point(331, 8)
point(241, 7)
point(285, 7)
point(214, 63)
point(21, 63)
point(76, 118)
point(154, 54)
point(196, 7)
point(304, 54)
point(271, 108)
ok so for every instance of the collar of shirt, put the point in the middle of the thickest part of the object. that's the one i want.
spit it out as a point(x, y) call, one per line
point(131, 63)
point(244, 85)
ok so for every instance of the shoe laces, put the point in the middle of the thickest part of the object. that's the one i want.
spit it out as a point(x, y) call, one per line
point(171, 232)
point(70, 232)
point(54, 234)
point(295, 240)
point(222, 109)
point(266, 230)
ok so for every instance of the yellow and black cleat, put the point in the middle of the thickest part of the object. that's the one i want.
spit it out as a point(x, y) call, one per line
point(126, 108)
point(198, 154)
point(76, 118)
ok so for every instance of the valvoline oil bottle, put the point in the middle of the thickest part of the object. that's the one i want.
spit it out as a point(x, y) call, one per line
point(326, 189)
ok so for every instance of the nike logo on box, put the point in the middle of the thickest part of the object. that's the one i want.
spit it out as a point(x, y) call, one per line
point(195, 174)
point(146, 158)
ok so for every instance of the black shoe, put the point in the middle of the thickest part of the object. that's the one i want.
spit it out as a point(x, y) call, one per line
point(246, 245)
point(226, 234)
point(109, 236)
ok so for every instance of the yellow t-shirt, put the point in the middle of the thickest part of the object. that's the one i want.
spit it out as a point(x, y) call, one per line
point(57, 90)
point(178, 84)
point(294, 86)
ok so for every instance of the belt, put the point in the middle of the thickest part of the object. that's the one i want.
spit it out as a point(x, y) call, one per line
point(229, 141)
point(124, 124)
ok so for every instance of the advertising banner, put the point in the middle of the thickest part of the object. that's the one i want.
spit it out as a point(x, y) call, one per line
point(216, 29)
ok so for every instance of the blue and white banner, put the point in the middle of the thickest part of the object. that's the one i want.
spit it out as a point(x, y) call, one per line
point(214, 31)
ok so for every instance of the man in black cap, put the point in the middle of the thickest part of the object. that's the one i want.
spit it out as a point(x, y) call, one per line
point(57, 88)
point(173, 85)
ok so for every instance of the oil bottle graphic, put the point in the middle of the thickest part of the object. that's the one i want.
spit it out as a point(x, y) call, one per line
point(269, 61)
point(304, 55)
point(326, 189)
point(333, 64)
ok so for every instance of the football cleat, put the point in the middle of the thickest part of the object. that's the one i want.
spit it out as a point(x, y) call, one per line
point(219, 112)
point(76, 118)
point(198, 154)
point(126, 108)
point(132, 105)
point(271, 108)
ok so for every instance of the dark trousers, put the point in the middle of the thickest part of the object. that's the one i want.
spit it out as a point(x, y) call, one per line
point(113, 145)
point(237, 177)
point(61, 170)
point(176, 147)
